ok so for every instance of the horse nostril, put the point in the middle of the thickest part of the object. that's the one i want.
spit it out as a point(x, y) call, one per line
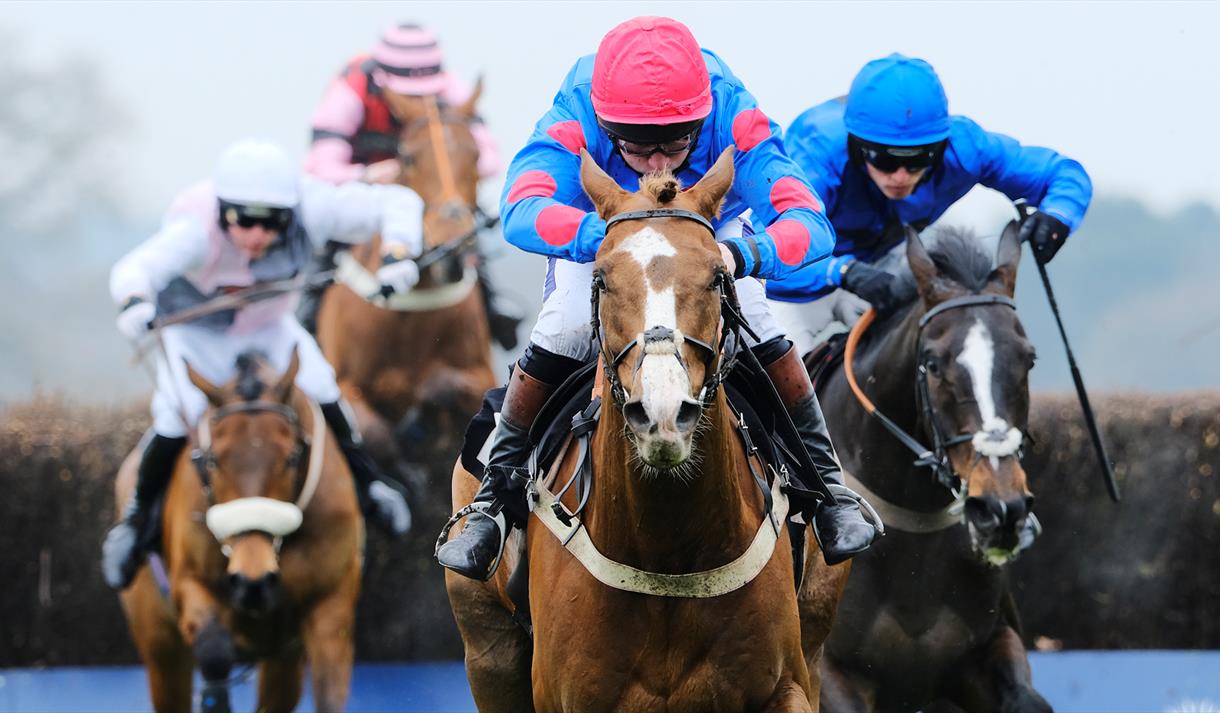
point(637, 416)
point(985, 513)
point(1029, 504)
point(688, 416)
point(235, 581)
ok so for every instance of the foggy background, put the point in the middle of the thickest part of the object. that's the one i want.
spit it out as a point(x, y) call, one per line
point(111, 108)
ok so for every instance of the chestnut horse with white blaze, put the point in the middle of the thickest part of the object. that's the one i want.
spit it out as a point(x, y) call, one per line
point(415, 366)
point(261, 545)
point(672, 588)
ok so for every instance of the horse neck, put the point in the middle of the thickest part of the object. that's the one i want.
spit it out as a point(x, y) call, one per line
point(661, 522)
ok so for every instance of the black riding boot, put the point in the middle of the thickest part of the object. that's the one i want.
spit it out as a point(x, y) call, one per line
point(379, 500)
point(124, 548)
point(311, 297)
point(476, 550)
point(839, 526)
point(501, 318)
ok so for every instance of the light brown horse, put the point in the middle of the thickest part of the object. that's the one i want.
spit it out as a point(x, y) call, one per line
point(672, 498)
point(270, 463)
point(414, 371)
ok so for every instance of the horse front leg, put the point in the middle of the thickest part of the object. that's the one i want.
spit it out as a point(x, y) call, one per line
point(789, 697)
point(998, 679)
point(166, 656)
point(200, 625)
point(280, 681)
point(328, 629)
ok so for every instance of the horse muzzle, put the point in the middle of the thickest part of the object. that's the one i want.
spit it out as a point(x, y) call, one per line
point(1001, 528)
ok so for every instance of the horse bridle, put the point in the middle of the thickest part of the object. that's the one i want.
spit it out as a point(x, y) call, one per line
point(204, 457)
point(936, 457)
point(656, 336)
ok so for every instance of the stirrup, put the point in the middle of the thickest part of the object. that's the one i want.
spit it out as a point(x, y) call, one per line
point(866, 509)
point(484, 509)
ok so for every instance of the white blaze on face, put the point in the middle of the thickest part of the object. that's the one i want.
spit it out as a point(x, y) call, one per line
point(996, 439)
point(664, 385)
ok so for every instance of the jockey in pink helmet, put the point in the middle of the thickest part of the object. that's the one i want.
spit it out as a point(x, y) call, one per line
point(355, 137)
point(652, 99)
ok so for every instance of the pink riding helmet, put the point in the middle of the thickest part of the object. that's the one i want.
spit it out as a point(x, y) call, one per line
point(409, 61)
point(650, 70)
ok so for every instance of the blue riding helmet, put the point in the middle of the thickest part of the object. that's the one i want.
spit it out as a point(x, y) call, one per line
point(897, 101)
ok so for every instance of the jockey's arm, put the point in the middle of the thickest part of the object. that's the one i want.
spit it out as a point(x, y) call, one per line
point(543, 206)
point(180, 246)
point(335, 122)
point(353, 212)
point(797, 231)
point(1054, 183)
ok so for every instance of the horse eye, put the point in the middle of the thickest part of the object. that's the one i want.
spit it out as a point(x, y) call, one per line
point(931, 365)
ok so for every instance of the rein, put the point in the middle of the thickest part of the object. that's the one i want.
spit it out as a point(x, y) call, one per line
point(569, 529)
point(277, 518)
point(936, 457)
point(658, 339)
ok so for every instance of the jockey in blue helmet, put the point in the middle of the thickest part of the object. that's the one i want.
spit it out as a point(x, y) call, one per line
point(889, 155)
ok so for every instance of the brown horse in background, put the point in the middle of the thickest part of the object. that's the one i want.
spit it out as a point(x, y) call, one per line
point(268, 463)
point(672, 497)
point(414, 374)
point(927, 619)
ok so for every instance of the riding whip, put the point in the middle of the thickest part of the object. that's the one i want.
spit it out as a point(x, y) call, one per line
point(1107, 471)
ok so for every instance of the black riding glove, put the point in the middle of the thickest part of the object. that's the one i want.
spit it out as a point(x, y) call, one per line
point(1046, 234)
point(872, 285)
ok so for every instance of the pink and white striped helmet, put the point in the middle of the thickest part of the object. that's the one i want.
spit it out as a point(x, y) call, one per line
point(409, 61)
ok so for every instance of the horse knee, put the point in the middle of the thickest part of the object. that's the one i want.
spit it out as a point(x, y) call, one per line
point(214, 652)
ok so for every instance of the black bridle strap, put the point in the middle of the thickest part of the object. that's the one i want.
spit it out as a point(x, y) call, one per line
point(967, 301)
point(661, 213)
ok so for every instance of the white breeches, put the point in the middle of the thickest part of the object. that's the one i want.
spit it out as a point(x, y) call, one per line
point(213, 355)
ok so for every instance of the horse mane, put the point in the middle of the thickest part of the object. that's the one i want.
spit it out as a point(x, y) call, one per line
point(958, 255)
point(662, 187)
point(249, 385)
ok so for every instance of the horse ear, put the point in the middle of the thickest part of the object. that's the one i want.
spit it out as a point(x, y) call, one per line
point(934, 288)
point(213, 393)
point(1003, 279)
point(467, 108)
point(404, 108)
point(282, 391)
point(709, 192)
point(607, 195)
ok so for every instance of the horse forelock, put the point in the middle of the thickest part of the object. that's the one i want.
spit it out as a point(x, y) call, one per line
point(250, 385)
point(959, 256)
point(663, 187)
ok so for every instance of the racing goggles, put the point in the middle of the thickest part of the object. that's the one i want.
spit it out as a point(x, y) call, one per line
point(888, 159)
point(643, 140)
point(249, 215)
point(668, 148)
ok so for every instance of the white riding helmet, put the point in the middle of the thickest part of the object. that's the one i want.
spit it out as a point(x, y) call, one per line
point(254, 172)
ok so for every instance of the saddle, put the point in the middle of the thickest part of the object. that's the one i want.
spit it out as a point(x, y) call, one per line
point(572, 413)
point(824, 358)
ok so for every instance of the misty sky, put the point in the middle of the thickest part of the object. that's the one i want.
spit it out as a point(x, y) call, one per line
point(1123, 87)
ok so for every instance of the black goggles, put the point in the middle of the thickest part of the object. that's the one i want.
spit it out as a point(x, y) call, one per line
point(248, 216)
point(888, 159)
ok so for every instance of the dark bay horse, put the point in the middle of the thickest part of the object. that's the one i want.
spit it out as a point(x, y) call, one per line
point(415, 366)
point(261, 545)
point(927, 618)
point(672, 588)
